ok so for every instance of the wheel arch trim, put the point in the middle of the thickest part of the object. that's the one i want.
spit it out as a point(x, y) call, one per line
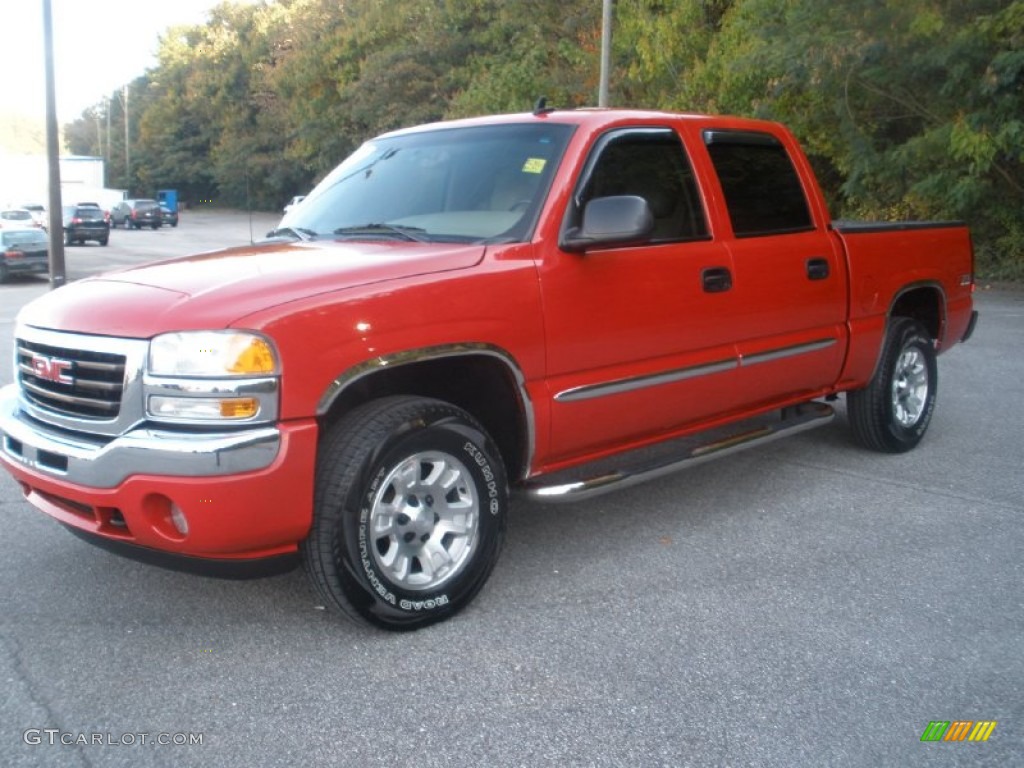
point(910, 288)
point(393, 360)
point(933, 285)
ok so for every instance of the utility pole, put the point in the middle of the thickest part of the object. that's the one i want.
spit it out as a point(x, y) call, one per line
point(127, 142)
point(106, 155)
point(99, 132)
point(606, 52)
point(56, 212)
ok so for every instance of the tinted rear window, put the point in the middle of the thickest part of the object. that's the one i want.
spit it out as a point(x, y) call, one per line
point(762, 189)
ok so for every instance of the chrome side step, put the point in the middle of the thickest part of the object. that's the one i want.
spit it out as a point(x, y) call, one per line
point(637, 466)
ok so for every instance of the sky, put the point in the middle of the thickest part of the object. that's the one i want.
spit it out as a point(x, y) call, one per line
point(98, 46)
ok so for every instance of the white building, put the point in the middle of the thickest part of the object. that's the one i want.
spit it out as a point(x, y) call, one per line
point(25, 179)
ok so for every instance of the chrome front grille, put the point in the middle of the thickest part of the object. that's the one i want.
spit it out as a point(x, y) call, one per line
point(90, 385)
point(74, 382)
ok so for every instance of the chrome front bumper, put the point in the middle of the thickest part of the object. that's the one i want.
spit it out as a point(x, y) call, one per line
point(108, 462)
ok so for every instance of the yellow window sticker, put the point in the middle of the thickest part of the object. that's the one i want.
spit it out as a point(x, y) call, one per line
point(534, 165)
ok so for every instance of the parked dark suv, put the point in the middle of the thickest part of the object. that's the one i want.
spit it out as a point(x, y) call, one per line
point(85, 222)
point(136, 214)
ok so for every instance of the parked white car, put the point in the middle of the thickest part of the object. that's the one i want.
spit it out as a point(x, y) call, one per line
point(17, 217)
point(38, 214)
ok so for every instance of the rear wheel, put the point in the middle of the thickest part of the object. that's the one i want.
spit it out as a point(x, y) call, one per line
point(892, 413)
point(409, 516)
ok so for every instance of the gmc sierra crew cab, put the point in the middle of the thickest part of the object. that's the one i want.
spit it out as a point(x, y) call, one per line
point(554, 304)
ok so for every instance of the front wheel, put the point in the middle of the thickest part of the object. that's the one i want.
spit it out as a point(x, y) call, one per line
point(409, 516)
point(891, 414)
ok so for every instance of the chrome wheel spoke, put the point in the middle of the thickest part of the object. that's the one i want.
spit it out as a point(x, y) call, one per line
point(435, 559)
point(407, 474)
point(459, 526)
point(396, 561)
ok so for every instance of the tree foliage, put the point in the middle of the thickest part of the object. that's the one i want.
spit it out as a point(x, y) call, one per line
point(915, 106)
point(908, 108)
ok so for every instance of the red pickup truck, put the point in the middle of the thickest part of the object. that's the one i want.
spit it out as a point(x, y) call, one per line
point(557, 304)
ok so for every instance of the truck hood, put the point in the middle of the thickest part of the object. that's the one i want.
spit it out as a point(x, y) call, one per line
point(215, 289)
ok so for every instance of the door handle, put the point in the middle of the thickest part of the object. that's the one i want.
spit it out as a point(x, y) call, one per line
point(817, 269)
point(716, 279)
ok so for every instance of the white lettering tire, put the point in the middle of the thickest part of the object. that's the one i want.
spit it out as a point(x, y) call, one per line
point(409, 513)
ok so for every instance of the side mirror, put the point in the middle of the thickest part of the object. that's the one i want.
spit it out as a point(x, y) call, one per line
point(610, 221)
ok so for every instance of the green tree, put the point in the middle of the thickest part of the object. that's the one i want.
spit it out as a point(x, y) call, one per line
point(915, 105)
point(908, 108)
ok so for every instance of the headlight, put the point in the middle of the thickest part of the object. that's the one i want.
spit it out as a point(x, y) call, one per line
point(209, 377)
point(211, 353)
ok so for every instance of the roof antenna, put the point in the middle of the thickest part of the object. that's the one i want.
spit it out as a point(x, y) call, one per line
point(541, 106)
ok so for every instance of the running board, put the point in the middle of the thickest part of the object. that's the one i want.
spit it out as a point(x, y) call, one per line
point(642, 464)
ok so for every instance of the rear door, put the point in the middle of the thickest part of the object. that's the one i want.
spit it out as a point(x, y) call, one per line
point(789, 276)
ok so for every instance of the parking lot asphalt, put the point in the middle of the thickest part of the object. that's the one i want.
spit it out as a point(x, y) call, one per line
point(804, 604)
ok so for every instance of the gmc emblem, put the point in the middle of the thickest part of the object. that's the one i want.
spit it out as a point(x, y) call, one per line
point(52, 369)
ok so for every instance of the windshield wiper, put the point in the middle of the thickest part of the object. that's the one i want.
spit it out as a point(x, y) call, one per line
point(297, 232)
point(409, 233)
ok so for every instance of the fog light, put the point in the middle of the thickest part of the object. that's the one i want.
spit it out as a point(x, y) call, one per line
point(165, 517)
point(179, 519)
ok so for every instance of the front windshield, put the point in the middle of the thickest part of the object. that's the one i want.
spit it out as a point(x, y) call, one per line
point(480, 184)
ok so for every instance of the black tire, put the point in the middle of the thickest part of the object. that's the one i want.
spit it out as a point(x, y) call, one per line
point(103, 240)
point(154, 227)
point(375, 513)
point(892, 413)
point(67, 239)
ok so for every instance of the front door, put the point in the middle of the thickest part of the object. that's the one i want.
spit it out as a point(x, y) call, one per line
point(640, 338)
